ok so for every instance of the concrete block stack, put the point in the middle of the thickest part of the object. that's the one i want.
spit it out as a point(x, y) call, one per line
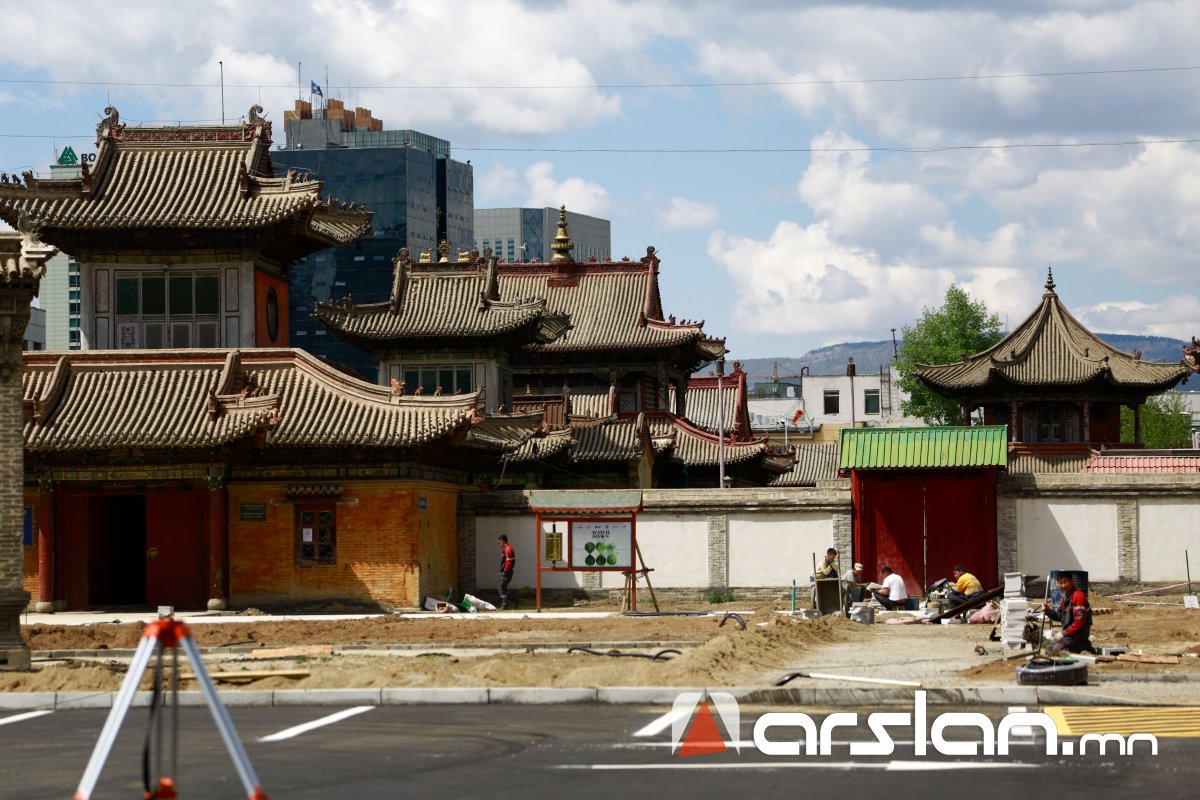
point(1014, 608)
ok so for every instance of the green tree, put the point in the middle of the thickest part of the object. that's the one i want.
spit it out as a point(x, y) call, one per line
point(941, 336)
point(1166, 422)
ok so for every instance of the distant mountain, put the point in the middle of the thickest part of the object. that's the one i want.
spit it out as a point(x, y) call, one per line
point(871, 357)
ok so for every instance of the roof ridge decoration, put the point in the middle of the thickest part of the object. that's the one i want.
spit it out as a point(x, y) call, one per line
point(399, 280)
point(38, 409)
point(562, 245)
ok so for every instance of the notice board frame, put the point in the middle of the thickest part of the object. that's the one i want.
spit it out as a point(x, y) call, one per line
point(572, 506)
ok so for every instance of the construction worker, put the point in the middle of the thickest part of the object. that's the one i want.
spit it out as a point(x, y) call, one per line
point(966, 586)
point(508, 561)
point(1075, 615)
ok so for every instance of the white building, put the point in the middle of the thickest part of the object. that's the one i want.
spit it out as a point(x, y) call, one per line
point(805, 405)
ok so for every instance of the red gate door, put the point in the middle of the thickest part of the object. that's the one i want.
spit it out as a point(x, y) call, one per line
point(174, 526)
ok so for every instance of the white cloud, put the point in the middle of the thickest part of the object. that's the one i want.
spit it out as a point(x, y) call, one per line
point(803, 281)
point(545, 190)
point(1173, 316)
point(840, 189)
point(1142, 218)
point(496, 185)
point(683, 214)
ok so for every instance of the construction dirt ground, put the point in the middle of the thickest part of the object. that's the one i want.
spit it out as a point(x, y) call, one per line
point(528, 649)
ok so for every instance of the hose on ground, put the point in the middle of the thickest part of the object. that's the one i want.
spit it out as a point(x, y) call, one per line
point(661, 655)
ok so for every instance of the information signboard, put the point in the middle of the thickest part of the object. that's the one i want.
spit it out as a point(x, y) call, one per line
point(601, 544)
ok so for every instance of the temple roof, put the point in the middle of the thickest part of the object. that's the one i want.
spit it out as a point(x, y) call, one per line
point(703, 410)
point(181, 187)
point(612, 305)
point(456, 301)
point(814, 462)
point(105, 399)
point(1050, 349)
point(562, 306)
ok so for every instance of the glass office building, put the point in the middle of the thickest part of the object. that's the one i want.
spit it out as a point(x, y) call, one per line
point(419, 196)
point(518, 234)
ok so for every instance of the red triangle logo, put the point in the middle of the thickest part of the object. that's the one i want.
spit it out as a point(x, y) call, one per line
point(703, 737)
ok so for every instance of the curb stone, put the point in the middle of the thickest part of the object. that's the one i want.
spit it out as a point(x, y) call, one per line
point(617, 695)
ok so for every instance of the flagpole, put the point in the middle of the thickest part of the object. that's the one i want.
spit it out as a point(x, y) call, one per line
point(222, 65)
point(299, 83)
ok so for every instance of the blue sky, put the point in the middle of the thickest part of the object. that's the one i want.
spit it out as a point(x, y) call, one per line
point(841, 239)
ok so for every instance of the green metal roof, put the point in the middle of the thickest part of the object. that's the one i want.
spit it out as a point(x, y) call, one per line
point(924, 448)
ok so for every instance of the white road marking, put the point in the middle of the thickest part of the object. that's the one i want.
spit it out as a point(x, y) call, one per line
point(661, 723)
point(888, 766)
point(896, 742)
point(288, 733)
point(935, 766)
point(25, 716)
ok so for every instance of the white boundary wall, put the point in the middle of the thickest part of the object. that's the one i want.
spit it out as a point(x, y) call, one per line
point(775, 549)
point(1168, 527)
point(1064, 533)
point(692, 539)
point(1119, 528)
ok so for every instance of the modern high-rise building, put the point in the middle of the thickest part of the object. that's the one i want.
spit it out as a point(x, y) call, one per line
point(525, 234)
point(59, 297)
point(418, 194)
point(59, 293)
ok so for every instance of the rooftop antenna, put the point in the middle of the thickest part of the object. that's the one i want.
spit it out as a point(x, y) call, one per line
point(299, 83)
point(895, 349)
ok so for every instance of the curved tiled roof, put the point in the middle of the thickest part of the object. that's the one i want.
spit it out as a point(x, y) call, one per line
point(612, 440)
point(214, 178)
point(606, 303)
point(539, 447)
point(590, 404)
point(439, 304)
point(814, 462)
point(98, 400)
point(704, 411)
point(699, 448)
point(1050, 348)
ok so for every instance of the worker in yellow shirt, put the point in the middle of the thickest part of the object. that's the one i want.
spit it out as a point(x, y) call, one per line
point(966, 586)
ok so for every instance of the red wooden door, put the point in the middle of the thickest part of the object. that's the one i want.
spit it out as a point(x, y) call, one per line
point(923, 523)
point(174, 526)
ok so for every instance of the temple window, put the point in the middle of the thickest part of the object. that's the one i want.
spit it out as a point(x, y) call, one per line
point(316, 534)
point(177, 310)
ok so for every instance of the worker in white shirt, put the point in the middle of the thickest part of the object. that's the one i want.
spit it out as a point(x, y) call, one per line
point(892, 593)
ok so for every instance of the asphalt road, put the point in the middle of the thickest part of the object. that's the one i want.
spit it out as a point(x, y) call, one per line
point(567, 751)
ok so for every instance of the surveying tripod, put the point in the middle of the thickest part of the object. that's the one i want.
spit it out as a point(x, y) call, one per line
point(166, 633)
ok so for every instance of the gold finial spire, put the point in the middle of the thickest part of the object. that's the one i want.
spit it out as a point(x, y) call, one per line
point(562, 246)
point(1049, 279)
point(444, 252)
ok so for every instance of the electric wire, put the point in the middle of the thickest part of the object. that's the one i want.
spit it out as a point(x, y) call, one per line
point(586, 86)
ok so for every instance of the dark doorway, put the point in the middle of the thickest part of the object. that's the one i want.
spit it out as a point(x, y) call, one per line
point(116, 548)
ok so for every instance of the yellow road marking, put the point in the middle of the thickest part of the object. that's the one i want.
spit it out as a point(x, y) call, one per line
point(1164, 721)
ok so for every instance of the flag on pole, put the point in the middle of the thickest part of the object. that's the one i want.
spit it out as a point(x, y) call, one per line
point(316, 89)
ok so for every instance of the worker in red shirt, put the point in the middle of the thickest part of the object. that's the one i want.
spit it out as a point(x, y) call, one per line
point(1075, 614)
point(508, 561)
